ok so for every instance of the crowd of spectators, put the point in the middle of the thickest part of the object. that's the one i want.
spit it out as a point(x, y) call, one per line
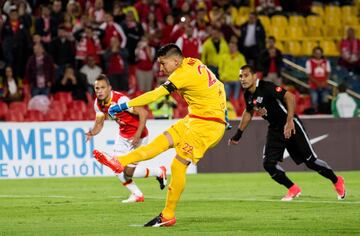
point(62, 46)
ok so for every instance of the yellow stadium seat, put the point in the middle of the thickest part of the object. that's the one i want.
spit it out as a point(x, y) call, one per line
point(308, 46)
point(295, 33)
point(279, 45)
point(332, 32)
point(350, 20)
point(296, 21)
point(280, 21)
point(294, 48)
point(330, 48)
point(241, 19)
point(278, 32)
point(238, 16)
point(348, 10)
point(265, 21)
point(244, 10)
point(332, 20)
point(317, 9)
point(314, 32)
point(315, 21)
point(332, 10)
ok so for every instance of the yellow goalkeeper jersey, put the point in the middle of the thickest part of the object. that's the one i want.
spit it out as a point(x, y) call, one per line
point(200, 88)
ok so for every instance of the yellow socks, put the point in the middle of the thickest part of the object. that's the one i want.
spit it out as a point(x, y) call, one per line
point(157, 146)
point(176, 186)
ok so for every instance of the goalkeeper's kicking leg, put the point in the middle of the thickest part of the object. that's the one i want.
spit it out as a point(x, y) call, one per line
point(178, 168)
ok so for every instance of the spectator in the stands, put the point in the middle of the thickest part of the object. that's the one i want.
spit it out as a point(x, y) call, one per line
point(318, 71)
point(118, 12)
point(268, 7)
point(73, 10)
point(44, 26)
point(112, 29)
point(24, 15)
point(270, 63)
point(160, 8)
point(40, 71)
point(10, 86)
point(88, 44)
point(116, 66)
point(92, 71)
point(229, 67)
point(73, 82)
point(152, 29)
point(15, 42)
point(201, 23)
point(343, 105)
point(167, 29)
point(189, 43)
point(9, 4)
point(62, 49)
point(215, 14)
point(213, 48)
point(163, 108)
point(252, 39)
point(228, 29)
point(133, 31)
point(97, 12)
point(350, 51)
point(145, 55)
point(57, 16)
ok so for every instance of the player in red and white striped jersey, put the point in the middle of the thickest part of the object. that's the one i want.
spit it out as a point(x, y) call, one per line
point(132, 134)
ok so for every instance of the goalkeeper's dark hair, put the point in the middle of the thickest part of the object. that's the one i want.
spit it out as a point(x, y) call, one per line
point(169, 50)
point(252, 70)
point(103, 78)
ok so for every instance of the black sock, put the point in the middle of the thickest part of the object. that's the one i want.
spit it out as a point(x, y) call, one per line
point(323, 169)
point(329, 174)
point(282, 179)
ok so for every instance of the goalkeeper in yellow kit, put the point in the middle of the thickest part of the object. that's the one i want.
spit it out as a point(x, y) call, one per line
point(191, 136)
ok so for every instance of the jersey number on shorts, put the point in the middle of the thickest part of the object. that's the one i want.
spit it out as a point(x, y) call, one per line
point(211, 77)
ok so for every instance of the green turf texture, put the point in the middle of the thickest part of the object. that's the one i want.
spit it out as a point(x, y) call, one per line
point(212, 204)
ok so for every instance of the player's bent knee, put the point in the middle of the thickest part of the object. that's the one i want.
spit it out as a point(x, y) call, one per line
point(269, 165)
point(129, 172)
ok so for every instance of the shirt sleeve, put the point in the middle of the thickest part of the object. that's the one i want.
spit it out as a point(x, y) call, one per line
point(328, 67)
point(274, 91)
point(249, 104)
point(97, 110)
point(178, 80)
point(308, 67)
point(125, 99)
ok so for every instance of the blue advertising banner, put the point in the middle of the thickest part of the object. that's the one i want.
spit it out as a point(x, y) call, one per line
point(59, 149)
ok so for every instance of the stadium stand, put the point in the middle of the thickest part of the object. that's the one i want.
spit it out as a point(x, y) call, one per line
point(297, 31)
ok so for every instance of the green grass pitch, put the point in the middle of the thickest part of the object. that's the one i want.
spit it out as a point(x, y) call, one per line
point(212, 204)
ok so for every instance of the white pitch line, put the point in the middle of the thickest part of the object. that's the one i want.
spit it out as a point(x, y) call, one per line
point(136, 225)
point(162, 198)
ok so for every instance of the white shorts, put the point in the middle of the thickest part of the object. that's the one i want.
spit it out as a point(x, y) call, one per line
point(123, 146)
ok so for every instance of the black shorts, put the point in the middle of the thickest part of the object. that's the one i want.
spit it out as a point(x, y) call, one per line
point(298, 146)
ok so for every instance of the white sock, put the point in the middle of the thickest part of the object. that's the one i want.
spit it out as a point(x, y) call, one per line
point(130, 185)
point(146, 172)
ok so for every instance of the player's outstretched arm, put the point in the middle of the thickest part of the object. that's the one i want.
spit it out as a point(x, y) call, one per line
point(148, 97)
point(245, 121)
point(141, 100)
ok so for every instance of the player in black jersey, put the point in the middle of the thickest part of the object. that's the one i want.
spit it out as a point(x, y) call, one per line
point(285, 130)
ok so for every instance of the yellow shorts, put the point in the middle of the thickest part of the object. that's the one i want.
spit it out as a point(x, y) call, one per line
point(192, 137)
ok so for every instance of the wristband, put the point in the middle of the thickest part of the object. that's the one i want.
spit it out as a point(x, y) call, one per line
point(237, 136)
